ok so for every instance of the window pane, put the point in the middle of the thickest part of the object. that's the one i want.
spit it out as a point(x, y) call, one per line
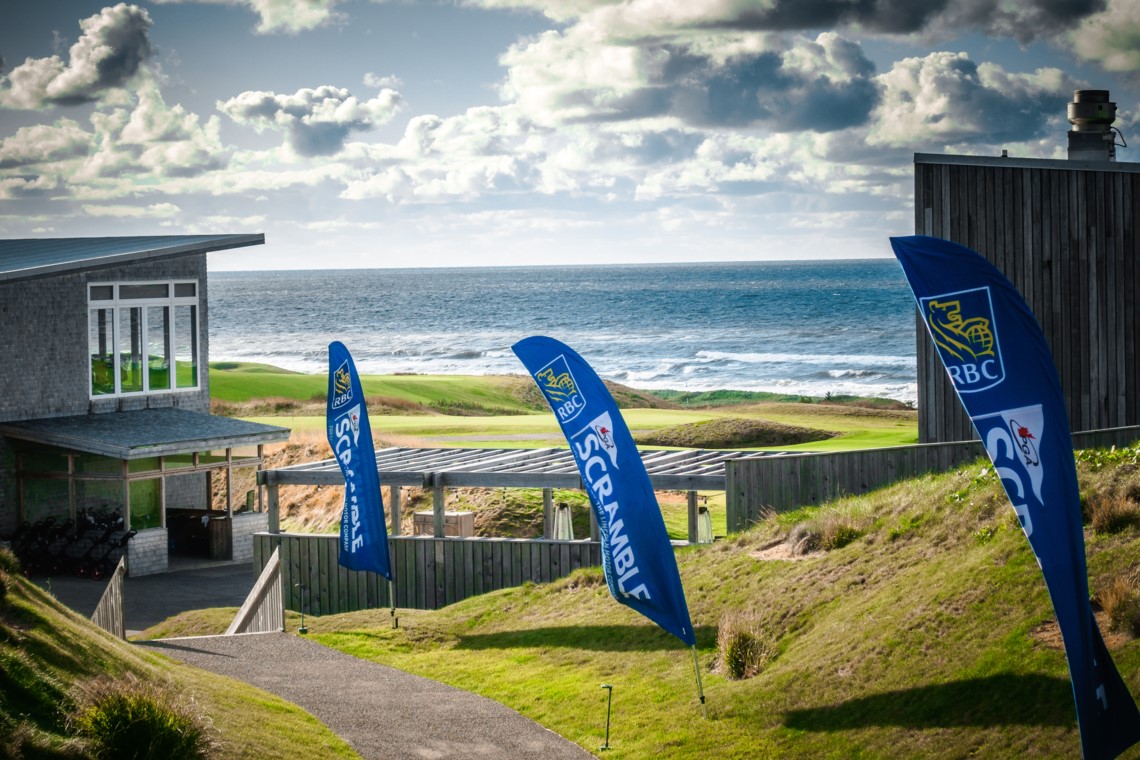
point(45, 498)
point(93, 464)
point(99, 497)
point(153, 290)
point(158, 347)
point(130, 350)
point(42, 459)
point(146, 504)
point(99, 340)
point(185, 289)
point(147, 464)
point(176, 461)
point(186, 345)
point(211, 457)
point(102, 292)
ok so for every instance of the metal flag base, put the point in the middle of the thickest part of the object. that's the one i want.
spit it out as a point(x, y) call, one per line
point(609, 701)
point(700, 687)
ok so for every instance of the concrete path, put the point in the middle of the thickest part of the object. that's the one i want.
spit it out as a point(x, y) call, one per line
point(382, 712)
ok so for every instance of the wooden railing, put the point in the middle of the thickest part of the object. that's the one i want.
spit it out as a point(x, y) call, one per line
point(263, 610)
point(108, 613)
point(797, 480)
point(429, 572)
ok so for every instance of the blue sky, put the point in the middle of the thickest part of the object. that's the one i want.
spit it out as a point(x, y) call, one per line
point(495, 132)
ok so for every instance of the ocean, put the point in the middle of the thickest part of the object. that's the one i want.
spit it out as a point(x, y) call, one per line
point(809, 328)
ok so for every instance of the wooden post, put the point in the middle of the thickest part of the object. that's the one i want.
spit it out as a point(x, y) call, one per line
point(394, 506)
point(547, 512)
point(437, 498)
point(229, 482)
point(274, 509)
point(692, 517)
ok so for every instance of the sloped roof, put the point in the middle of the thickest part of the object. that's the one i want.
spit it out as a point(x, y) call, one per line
point(27, 258)
point(143, 432)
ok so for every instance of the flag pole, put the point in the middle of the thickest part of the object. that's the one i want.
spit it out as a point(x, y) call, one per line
point(700, 688)
point(392, 597)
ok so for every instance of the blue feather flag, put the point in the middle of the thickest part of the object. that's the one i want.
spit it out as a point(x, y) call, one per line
point(1003, 372)
point(641, 570)
point(363, 534)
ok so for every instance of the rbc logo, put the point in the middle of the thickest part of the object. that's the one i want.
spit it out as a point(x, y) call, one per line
point(963, 328)
point(342, 386)
point(557, 384)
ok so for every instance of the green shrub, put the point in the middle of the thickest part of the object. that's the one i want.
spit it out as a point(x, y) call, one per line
point(744, 646)
point(128, 719)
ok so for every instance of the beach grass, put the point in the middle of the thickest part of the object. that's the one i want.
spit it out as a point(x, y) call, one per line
point(926, 632)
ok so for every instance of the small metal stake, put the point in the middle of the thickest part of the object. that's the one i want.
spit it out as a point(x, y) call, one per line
point(302, 630)
point(609, 701)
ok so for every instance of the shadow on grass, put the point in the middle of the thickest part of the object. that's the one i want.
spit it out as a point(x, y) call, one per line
point(1000, 700)
point(600, 638)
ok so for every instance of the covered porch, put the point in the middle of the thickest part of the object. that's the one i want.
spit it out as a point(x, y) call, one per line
point(185, 481)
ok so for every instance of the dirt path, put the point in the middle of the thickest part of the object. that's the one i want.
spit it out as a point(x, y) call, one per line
point(380, 711)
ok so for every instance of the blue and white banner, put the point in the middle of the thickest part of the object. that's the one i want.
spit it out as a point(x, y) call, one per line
point(637, 556)
point(1003, 372)
point(363, 534)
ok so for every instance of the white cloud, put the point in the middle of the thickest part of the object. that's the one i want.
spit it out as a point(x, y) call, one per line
point(1112, 37)
point(947, 99)
point(379, 82)
point(316, 121)
point(45, 144)
point(289, 16)
point(644, 19)
point(108, 54)
point(154, 210)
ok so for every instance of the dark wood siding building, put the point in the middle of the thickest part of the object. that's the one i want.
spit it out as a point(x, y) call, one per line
point(1063, 233)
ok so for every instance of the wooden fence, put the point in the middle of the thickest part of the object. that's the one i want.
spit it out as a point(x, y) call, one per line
point(429, 572)
point(108, 613)
point(263, 610)
point(796, 480)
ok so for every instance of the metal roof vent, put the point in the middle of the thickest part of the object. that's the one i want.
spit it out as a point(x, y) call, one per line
point(1092, 137)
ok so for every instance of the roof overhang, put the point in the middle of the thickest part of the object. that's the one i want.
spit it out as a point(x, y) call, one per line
point(1005, 162)
point(143, 433)
point(681, 470)
point(30, 258)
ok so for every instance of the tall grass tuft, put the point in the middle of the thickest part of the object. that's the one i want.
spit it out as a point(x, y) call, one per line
point(745, 647)
point(1119, 597)
point(129, 719)
point(1111, 512)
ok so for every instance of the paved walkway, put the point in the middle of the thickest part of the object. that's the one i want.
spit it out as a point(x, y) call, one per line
point(153, 598)
point(382, 712)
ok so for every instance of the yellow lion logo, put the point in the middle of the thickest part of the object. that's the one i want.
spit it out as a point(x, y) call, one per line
point(559, 387)
point(958, 336)
point(342, 383)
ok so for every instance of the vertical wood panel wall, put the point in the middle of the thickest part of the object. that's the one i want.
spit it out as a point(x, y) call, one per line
point(798, 480)
point(1062, 232)
point(429, 572)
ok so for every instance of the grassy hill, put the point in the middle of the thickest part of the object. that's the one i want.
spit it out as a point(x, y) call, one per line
point(48, 655)
point(911, 622)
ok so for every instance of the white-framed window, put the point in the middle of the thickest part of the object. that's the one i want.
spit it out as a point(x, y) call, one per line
point(143, 337)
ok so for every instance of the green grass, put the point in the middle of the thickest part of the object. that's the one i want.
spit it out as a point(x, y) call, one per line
point(512, 416)
point(918, 638)
point(47, 651)
point(234, 381)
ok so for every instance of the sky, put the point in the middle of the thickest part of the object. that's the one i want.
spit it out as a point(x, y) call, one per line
point(357, 133)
